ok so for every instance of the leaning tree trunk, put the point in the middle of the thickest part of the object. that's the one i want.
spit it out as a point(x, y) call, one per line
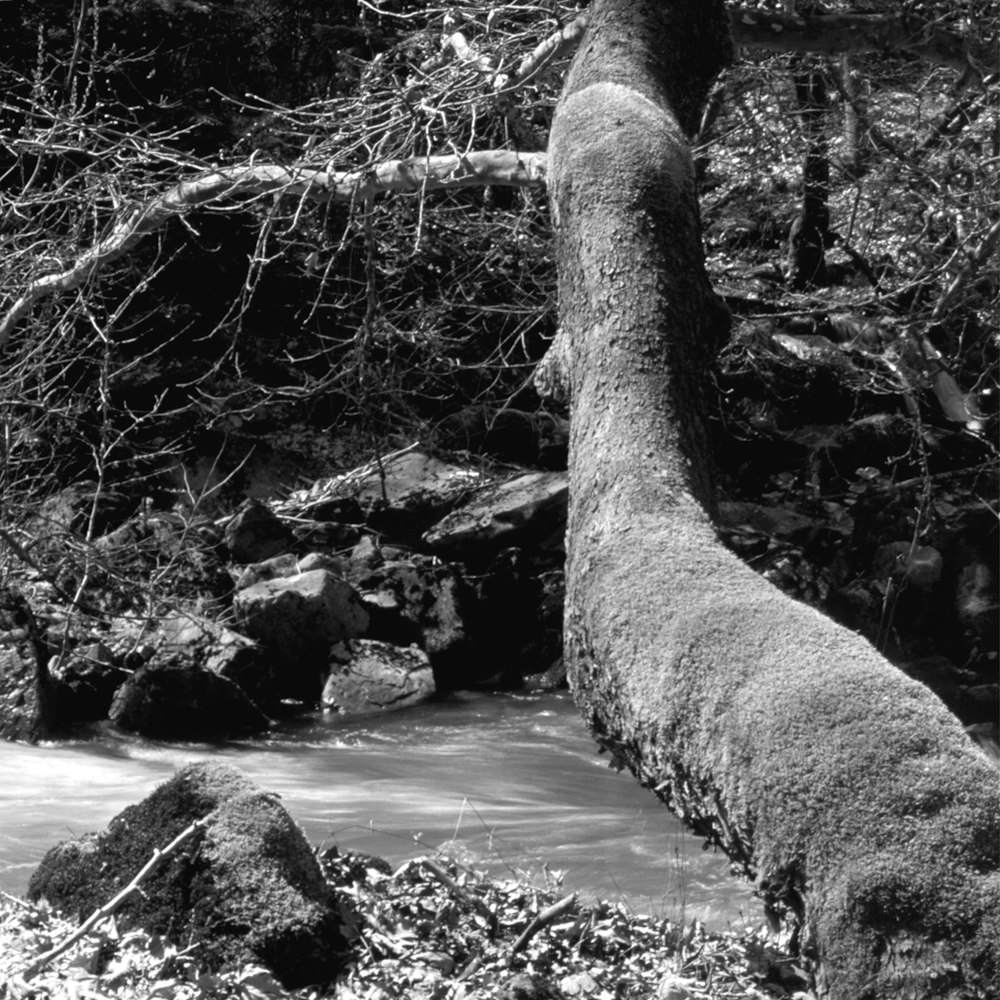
point(847, 790)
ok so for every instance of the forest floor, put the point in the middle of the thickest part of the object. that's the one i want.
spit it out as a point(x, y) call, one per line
point(431, 930)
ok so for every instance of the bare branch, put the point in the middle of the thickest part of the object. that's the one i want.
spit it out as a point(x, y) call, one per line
point(430, 173)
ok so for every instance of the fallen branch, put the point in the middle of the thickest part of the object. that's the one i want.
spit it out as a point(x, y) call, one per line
point(421, 173)
point(109, 908)
point(434, 869)
point(543, 919)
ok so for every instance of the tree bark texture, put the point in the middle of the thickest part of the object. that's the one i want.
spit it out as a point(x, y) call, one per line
point(847, 790)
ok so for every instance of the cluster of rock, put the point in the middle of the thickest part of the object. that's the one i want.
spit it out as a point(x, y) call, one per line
point(415, 575)
point(368, 592)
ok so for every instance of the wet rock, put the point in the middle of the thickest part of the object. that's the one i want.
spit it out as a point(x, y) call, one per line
point(224, 652)
point(530, 509)
point(255, 533)
point(28, 709)
point(247, 888)
point(85, 683)
point(419, 600)
point(175, 699)
point(297, 619)
point(379, 677)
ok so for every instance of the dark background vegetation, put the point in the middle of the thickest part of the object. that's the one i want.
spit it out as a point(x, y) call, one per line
point(857, 403)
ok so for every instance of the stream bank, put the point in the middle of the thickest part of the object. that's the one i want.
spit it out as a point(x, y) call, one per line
point(506, 782)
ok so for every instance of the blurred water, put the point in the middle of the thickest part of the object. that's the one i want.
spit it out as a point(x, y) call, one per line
point(513, 782)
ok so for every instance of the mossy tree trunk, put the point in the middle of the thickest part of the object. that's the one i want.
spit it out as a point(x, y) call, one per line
point(847, 790)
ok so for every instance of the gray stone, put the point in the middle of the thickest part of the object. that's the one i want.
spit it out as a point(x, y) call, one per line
point(255, 533)
point(378, 677)
point(528, 507)
point(313, 607)
point(223, 652)
point(418, 600)
point(247, 888)
point(298, 619)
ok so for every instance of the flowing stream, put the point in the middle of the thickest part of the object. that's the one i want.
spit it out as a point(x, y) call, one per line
point(505, 782)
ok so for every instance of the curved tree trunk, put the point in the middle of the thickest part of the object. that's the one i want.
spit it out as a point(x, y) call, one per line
point(846, 789)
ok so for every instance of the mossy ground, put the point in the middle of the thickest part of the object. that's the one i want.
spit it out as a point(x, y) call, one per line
point(431, 930)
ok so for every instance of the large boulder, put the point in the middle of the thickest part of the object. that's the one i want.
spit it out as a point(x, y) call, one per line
point(247, 888)
point(175, 698)
point(298, 619)
point(377, 678)
point(224, 652)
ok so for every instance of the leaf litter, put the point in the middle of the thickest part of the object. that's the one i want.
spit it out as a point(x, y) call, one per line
point(432, 929)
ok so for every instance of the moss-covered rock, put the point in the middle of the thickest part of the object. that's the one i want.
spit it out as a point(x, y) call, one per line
point(247, 888)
